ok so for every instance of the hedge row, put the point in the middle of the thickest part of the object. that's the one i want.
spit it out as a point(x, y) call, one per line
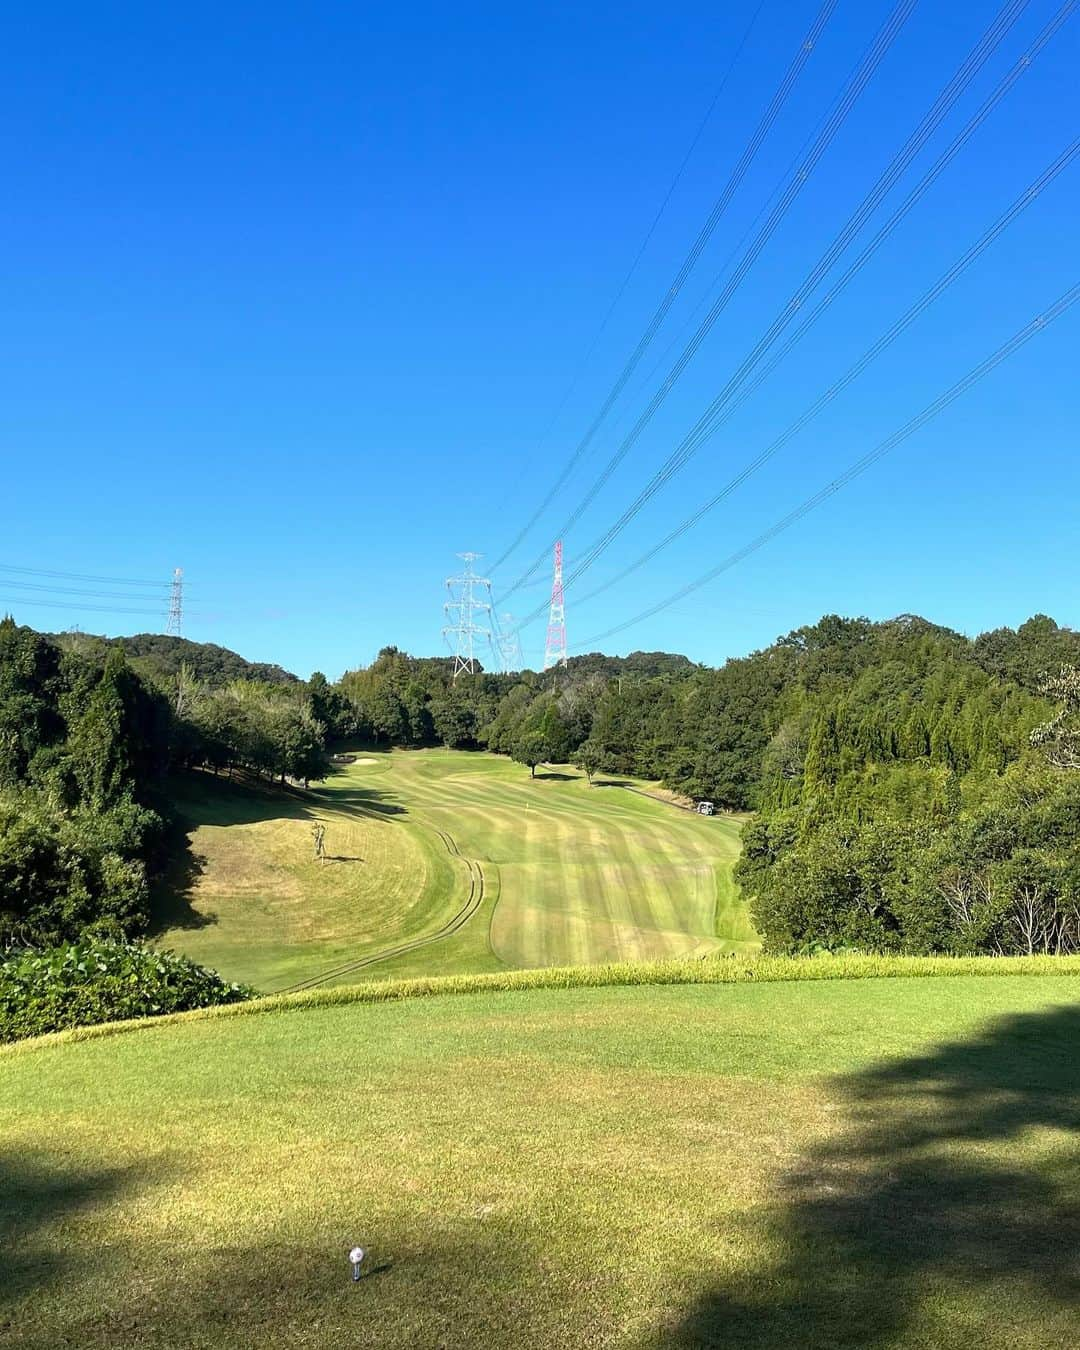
point(709, 970)
point(95, 981)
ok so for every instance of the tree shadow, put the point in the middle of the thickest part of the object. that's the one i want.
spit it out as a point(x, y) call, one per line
point(907, 1211)
point(342, 857)
point(200, 798)
point(36, 1196)
point(367, 801)
point(172, 895)
point(203, 798)
point(553, 776)
point(423, 1292)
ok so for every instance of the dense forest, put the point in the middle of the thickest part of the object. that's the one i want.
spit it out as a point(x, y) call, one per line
point(156, 655)
point(86, 744)
point(913, 789)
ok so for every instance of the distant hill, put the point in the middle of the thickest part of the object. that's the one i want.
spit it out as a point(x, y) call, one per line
point(157, 654)
point(647, 665)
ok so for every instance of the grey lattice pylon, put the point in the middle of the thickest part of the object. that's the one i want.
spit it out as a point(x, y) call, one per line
point(461, 629)
point(174, 624)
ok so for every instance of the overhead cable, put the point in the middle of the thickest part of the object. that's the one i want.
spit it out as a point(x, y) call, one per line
point(856, 84)
point(631, 271)
point(1025, 334)
point(949, 95)
point(79, 576)
point(1026, 198)
point(772, 111)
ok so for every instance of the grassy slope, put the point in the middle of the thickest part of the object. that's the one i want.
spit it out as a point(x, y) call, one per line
point(260, 909)
point(571, 873)
point(646, 1167)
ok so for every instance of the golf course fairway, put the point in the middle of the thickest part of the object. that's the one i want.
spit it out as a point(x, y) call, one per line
point(652, 1166)
point(446, 862)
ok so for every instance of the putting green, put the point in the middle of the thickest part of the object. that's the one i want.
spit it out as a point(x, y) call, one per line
point(446, 862)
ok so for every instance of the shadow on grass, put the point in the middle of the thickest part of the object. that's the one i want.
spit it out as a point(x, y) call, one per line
point(367, 801)
point(171, 898)
point(552, 776)
point(38, 1195)
point(203, 798)
point(904, 1215)
point(462, 1292)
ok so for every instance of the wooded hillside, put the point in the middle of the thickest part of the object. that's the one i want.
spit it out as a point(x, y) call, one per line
point(915, 789)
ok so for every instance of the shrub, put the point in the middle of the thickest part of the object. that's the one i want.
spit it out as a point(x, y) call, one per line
point(67, 873)
point(79, 984)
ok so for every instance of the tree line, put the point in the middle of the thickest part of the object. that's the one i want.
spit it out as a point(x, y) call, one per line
point(913, 788)
point(926, 800)
point(86, 744)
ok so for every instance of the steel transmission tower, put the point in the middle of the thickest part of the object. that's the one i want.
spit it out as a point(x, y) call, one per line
point(461, 609)
point(509, 643)
point(174, 624)
point(555, 647)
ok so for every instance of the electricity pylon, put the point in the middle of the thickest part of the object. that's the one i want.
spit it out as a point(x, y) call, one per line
point(174, 624)
point(505, 642)
point(461, 629)
point(555, 646)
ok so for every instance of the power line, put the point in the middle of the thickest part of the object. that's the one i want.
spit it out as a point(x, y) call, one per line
point(28, 603)
point(79, 576)
point(72, 590)
point(931, 176)
point(1026, 198)
point(1025, 334)
point(952, 91)
point(722, 272)
point(628, 277)
point(794, 70)
point(854, 88)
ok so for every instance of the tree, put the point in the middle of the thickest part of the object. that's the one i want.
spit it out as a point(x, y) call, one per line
point(555, 734)
point(296, 741)
point(530, 748)
point(29, 686)
point(98, 743)
point(588, 759)
point(330, 707)
point(185, 686)
point(1061, 735)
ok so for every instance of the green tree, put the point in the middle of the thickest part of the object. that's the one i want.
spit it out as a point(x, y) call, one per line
point(99, 740)
point(29, 686)
point(588, 758)
point(530, 748)
point(1060, 736)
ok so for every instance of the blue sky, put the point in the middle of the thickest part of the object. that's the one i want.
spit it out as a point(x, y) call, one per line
point(293, 293)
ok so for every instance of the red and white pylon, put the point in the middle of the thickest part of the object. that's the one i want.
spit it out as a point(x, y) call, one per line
point(555, 647)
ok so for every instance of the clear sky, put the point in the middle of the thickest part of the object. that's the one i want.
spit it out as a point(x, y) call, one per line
point(294, 292)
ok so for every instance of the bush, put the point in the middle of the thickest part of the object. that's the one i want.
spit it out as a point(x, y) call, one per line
point(80, 984)
point(67, 873)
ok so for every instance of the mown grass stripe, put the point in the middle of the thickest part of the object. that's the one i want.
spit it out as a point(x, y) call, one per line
point(591, 874)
